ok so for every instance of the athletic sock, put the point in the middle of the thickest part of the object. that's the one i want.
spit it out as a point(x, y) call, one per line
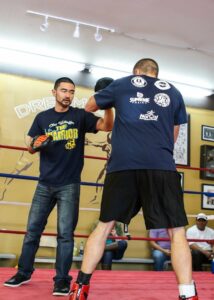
point(83, 278)
point(187, 290)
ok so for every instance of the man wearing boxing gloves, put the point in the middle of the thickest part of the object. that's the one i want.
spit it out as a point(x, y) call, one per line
point(59, 135)
point(141, 171)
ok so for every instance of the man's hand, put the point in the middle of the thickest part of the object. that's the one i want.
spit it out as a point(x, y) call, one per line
point(208, 254)
point(40, 141)
point(167, 252)
point(211, 255)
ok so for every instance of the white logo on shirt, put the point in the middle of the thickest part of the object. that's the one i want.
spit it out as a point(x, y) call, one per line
point(138, 81)
point(61, 123)
point(139, 99)
point(149, 116)
point(162, 85)
point(162, 99)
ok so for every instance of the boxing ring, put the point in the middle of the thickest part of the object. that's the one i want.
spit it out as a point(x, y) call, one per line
point(105, 285)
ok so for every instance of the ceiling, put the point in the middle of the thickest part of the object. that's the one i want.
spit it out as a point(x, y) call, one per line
point(178, 34)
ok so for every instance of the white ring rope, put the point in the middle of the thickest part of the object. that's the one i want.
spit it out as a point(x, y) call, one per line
point(210, 217)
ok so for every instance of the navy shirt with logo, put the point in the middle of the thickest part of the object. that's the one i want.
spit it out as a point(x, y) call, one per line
point(146, 110)
point(61, 162)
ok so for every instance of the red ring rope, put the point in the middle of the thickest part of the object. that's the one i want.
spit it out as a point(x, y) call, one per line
point(136, 238)
point(104, 158)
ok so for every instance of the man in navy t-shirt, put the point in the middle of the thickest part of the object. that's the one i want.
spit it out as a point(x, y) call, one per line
point(61, 163)
point(141, 171)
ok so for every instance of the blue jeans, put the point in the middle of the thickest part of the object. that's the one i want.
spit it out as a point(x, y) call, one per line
point(114, 254)
point(45, 198)
point(159, 259)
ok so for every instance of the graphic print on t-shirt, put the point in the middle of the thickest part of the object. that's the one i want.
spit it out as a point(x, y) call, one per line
point(139, 99)
point(162, 99)
point(62, 131)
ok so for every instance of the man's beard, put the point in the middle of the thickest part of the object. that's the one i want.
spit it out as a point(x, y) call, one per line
point(65, 103)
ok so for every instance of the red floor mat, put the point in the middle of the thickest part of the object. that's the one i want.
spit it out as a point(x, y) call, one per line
point(109, 285)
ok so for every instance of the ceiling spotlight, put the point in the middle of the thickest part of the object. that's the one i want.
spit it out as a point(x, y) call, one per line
point(98, 36)
point(76, 33)
point(45, 25)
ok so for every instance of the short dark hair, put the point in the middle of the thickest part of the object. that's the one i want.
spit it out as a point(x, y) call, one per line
point(62, 79)
point(147, 65)
point(102, 83)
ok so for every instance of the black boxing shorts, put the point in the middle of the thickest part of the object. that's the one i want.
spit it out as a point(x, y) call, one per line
point(157, 192)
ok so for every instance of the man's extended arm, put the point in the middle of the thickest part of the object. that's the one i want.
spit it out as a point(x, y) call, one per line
point(207, 253)
point(176, 132)
point(91, 105)
point(28, 141)
point(105, 123)
point(158, 247)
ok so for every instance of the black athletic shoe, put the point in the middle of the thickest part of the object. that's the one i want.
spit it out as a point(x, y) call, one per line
point(17, 280)
point(61, 288)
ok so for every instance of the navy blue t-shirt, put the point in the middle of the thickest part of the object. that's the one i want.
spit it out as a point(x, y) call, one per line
point(61, 162)
point(146, 110)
